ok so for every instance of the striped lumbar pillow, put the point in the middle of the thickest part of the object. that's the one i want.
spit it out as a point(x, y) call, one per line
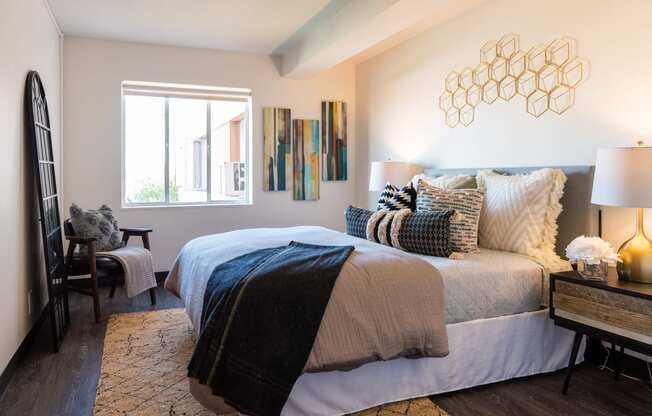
point(425, 232)
point(467, 202)
point(393, 199)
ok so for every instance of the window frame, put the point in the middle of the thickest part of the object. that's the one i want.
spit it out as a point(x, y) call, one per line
point(167, 91)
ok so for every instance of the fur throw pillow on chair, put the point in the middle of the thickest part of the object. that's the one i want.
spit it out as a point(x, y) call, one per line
point(96, 223)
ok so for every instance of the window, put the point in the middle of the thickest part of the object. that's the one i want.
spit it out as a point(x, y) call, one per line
point(185, 145)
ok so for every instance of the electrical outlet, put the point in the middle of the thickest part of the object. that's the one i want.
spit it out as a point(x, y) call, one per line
point(29, 302)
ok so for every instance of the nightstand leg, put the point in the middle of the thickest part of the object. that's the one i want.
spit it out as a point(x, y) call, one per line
point(571, 363)
point(618, 361)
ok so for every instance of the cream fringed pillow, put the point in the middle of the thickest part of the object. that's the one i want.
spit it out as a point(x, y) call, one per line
point(520, 212)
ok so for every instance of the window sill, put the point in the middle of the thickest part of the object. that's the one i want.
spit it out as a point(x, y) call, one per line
point(202, 205)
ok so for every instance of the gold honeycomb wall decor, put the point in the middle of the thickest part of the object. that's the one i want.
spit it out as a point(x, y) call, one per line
point(544, 76)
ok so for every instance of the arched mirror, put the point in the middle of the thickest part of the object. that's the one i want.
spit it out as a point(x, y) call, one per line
point(39, 136)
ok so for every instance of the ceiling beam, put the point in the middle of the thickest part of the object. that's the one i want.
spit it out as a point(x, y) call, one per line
point(345, 28)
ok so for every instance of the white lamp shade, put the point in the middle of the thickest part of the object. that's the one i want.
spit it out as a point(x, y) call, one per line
point(398, 173)
point(623, 177)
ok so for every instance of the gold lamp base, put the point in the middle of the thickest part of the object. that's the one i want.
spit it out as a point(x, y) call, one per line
point(636, 255)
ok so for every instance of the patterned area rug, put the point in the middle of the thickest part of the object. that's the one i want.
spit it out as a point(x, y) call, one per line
point(144, 370)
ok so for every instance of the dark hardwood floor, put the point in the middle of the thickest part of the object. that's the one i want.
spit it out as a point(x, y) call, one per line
point(592, 392)
point(46, 384)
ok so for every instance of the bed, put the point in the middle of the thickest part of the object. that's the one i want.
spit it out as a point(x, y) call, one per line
point(497, 328)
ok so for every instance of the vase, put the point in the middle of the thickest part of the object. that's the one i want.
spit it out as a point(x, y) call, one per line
point(636, 255)
point(597, 271)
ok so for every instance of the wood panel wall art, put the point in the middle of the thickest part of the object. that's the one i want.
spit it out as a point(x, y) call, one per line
point(305, 150)
point(277, 155)
point(334, 141)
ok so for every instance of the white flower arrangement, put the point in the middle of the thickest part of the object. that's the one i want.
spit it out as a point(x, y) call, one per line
point(591, 250)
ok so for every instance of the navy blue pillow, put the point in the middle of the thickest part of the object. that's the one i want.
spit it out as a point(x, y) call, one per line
point(356, 221)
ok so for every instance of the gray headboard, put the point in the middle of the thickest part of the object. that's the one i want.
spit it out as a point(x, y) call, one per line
point(578, 217)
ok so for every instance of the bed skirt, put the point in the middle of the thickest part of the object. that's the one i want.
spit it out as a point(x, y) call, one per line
point(483, 351)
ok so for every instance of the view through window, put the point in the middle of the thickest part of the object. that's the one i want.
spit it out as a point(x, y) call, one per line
point(185, 145)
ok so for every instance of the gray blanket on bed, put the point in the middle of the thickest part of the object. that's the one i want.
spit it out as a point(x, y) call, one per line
point(385, 304)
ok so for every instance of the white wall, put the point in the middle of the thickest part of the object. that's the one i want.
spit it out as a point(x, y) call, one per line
point(397, 93)
point(93, 72)
point(28, 40)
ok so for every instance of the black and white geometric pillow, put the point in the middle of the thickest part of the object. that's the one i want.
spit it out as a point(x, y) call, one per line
point(356, 221)
point(394, 199)
point(385, 196)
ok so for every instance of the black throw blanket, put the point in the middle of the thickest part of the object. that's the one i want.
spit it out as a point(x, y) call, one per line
point(260, 318)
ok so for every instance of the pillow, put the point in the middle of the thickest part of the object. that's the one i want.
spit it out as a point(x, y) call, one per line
point(446, 182)
point(393, 199)
point(417, 232)
point(467, 202)
point(386, 195)
point(356, 221)
point(520, 212)
point(100, 224)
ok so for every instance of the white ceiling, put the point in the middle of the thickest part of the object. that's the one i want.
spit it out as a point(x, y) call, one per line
point(257, 26)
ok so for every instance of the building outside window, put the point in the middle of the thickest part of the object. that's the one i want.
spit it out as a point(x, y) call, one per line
point(185, 145)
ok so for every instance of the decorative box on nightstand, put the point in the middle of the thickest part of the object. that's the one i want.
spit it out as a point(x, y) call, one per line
point(615, 311)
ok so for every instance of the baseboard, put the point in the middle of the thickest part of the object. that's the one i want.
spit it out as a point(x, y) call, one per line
point(8, 372)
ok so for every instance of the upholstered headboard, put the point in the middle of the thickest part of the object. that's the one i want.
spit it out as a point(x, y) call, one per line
point(578, 217)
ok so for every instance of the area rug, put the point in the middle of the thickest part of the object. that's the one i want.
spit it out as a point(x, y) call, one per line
point(144, 370)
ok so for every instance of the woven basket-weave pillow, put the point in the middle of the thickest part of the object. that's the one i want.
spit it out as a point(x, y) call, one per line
point(468, 202)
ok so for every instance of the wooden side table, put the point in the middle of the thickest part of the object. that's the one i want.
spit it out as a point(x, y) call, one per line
point(617, 312)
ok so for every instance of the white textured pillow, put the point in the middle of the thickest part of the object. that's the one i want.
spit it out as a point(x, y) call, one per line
point(520, 212)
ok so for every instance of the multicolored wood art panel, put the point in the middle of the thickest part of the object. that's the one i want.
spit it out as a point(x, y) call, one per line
point(334, 141)
point(277, 156)
point(305, 148)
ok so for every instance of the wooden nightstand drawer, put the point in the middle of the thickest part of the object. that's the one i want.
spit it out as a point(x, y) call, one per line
point(615, 312)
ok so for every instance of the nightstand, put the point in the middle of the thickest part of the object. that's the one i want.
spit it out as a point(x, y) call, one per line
point(615, 311)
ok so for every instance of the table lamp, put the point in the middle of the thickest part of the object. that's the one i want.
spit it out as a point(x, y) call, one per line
point(395, 172)
point(623, 178)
